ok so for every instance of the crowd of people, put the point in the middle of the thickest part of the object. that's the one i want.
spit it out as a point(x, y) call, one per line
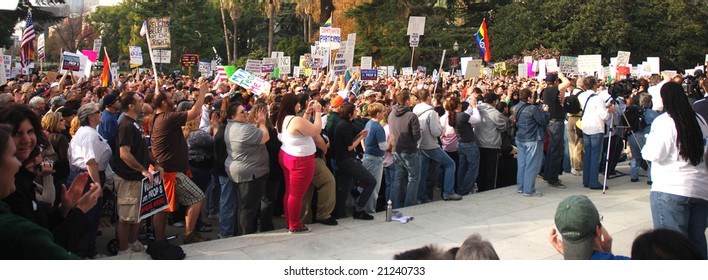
point(319, 148)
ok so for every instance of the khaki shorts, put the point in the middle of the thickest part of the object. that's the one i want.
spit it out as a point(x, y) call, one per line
point(128, 199)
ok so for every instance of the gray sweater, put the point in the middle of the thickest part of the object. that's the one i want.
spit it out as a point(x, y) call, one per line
point(429, 126)
point(405, 128)
point(488, 131)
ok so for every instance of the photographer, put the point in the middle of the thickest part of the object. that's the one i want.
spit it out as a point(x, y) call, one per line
point(593, 120)
point(701, 106)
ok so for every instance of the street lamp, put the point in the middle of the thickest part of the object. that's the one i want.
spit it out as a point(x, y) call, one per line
point(455, 47)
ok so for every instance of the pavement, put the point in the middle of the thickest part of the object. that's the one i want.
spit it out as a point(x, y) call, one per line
point(517, 226)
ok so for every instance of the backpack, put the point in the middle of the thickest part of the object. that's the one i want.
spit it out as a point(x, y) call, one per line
point(571, 104)
point(635, 118)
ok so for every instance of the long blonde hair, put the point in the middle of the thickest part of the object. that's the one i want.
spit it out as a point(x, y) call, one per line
point(50, 121)
point(190, 126)
point(75, 125)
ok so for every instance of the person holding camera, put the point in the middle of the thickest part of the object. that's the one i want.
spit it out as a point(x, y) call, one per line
point(531, 122)
point(593, 122)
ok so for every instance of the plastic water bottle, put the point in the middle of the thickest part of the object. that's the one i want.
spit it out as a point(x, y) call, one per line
point(389, 211)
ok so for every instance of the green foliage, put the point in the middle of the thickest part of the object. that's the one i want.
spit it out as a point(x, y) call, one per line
point(41, 18)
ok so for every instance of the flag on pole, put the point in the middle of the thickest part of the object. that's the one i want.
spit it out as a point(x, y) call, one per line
point(144, 29)
point(482, 38)
point(328, 23)
point(27, 47)
point(106, 77)
point(217, 58)
point(220, 77)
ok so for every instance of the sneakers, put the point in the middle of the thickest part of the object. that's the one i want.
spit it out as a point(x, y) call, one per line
point(194, 237)
point(179, 224)
point(634, 180)
point(453, 196)
point(576, 172)
point(137, 247)
point(557, 184)
point(303, 229)
point(331, 221)
point(126, 252)
point(519, 191)
point(536, 194)
point(362, 215)
point(204, 227)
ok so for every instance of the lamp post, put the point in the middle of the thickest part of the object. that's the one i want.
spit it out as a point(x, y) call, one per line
point(455, 47)
point(455, 60)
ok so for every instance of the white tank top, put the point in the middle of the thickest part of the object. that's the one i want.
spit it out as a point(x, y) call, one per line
point(295, 144)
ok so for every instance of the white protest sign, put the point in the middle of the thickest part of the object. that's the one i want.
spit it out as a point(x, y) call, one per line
point(253, 66)
point(340, 65)
point(463, 63)
point(622, 58)
point(366, 62)
point(320, 51)
point(521, 70)
point(3, 74)
point(161, 56)
point(414, 40)
point(568, 65)
point(76, 63)
point(590, 63)
point(351, 45)
point(40, 47)
point(528, 59)
point(97, 43)
point(250, 82)
point(136, 56)
point(7, 61)
point(654, 65)
point(114, 71)
point(284, 64)
point(407, 71)
point(542, 69)
point(551, 65)
point(390, 70)
point(416, 25)
point(330, 37)
point(159, 32)
point(277, 54)
point(296, 71)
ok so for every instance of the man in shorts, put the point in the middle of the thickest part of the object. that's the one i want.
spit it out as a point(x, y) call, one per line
point(169, 147)
point(130, 167)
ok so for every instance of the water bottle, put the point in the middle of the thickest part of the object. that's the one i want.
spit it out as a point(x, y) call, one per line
point(389, 210)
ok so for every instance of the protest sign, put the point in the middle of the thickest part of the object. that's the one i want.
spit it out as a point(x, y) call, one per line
point(340, 65)
point(670, 73)
point(189, 60)
point(366, 62)
point(414, 40)
point(159, 32)
point(52, 76)
point(351, 45)
point(161, 56)
point(407, 71)
point(92, 55)
point(474, 68)
point(70, 62)
point(463, 64)
point(369, 74)
point(521, 70)
point(97, 43)
point(654, 65)
point(277, 54)
point(590, 64)
point(253, 66)
point(381, 71)
point(267, 68)
point(284, 65)
point(330, 37)
point(296, 71)
point(3, 76)
point(391, 71)
point(528, 59)
point(136, 56)
point(416, 25)
point(205, 67)
point(622, 58)
point(421, 71)
point(250, 82)
point(568, 65)
point(7, 61)
point(40, 47)
point(551, 65)
point(153, 197)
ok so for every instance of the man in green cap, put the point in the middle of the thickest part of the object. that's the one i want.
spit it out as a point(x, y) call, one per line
point(579, 235)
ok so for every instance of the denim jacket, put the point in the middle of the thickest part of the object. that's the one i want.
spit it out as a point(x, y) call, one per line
point(531, 123)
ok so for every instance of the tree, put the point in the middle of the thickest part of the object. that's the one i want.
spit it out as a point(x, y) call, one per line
point(8, 19)
point(272, 7)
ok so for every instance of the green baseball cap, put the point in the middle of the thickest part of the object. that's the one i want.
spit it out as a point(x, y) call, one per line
point(577, 219)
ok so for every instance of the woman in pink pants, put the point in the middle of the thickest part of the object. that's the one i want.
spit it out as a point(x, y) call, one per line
point(297, 154)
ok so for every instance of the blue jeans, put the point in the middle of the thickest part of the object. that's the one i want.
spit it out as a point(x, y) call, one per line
point(636, 145)
point(591, 160)
point(530, 158)
point(683, 214)
point(439, 156)
point(566, 152)
point(469, 166)
point(554, 155)
point(405, 186)
point(374, 165)
point(212, 194)
point(227, 207)
point(389, 174)
point(86, 247)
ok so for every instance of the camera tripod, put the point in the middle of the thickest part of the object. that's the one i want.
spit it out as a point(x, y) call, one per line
point(609, 144)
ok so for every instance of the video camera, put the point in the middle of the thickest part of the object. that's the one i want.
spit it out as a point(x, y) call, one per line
point(623, 88)
point(693, 86)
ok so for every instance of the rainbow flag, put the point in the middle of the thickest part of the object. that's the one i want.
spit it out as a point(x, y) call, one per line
point(482, 38)
point(328, 23)
point(106, 78)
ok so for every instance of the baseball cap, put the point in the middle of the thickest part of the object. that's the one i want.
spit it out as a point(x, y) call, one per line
point(336, 101)
point(576, 220)
point(368, 93)
point(109, 99)
point(551, 78)
point(57, 100)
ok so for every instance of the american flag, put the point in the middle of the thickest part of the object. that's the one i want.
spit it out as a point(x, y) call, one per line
point(220, 76)
point(217, 58)
point(28, 35)
point(144, 28)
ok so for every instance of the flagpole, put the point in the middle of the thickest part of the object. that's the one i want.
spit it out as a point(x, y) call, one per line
point(154, 69)
point(439, 72)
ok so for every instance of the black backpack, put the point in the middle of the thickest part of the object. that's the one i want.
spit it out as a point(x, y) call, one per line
point(571, 104)
point(635, 118)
